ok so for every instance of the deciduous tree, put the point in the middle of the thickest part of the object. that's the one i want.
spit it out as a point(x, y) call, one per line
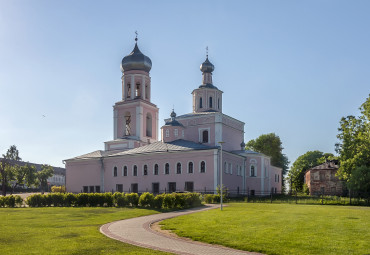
point(271, 145)
point(302, 164)
point(354, 149)
point(43, 175)
point(7, 167)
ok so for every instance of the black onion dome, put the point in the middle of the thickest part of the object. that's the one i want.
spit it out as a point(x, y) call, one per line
point(173, 114)
point(207, 67)
point(136, 61)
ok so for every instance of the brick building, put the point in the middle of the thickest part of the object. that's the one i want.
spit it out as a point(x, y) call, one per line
point(321, 179)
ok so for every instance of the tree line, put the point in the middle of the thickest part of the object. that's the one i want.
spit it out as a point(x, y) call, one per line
point(353, 149)
point(13, 175)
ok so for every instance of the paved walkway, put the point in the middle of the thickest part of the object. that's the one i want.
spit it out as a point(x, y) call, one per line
point(137, 231)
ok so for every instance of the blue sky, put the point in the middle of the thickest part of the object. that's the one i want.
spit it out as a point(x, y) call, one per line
point(289, 67)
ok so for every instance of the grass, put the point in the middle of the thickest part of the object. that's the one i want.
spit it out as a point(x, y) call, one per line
point(64, 231)
point(280, 228)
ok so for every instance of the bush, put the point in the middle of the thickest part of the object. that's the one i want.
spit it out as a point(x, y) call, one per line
point(108, 199)
point(58, 189)
point(18, 200)
point(9, 201)
point(132, 199)
point(94, 199)
point(36, 200)
point(120, 199)
point(82, 199)
point(179, 200)
point(168, 201)
point(70, 199)
point(208, 198)
point(146, 200)
point(212, 198)
point(57, 199)
point(2, 201)
point(158, 201)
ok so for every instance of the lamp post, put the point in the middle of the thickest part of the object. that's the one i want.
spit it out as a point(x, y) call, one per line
point(221, 172)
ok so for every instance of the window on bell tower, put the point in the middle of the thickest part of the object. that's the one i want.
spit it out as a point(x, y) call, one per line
point(128, 90)
point(210, 102)
point(200, 102)
point(205, 136)
point(137, 90)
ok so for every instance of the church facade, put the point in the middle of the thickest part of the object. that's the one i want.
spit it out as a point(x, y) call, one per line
point(194, 149)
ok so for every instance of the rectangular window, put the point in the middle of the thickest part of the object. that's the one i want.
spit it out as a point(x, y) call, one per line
point(171, 187)
point(91, 189)
point(97, 189)
point(155, 188)
point(134, 188)
point(322, 176)
point(189, 186)
point(167, 133)
point(85, 189)
point(119, 187)
point(176, 132)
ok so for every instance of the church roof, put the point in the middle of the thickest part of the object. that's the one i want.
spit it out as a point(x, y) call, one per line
point(177, 145)
point(95, 154)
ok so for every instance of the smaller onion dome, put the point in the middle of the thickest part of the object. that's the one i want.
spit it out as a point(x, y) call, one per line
point(173, 114)
point(207, 67)
point(136, 61)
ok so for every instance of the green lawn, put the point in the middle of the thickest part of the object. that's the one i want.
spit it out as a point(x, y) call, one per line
point(64, 231)
point(280, 228)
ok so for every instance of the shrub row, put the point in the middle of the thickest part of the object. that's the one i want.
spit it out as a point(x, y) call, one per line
point(163, 201)
point(58, 189)
point(10, 201)
point(212, 199)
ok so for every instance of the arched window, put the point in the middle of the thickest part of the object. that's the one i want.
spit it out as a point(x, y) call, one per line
point(210, 102)
point(134, 172)
point(225, 168)
point(178, 168)
point(230, 168)
point(149, 125)
point(124, 172)
point(145, 170)
point(156, 169)
point(218, 103)
point(128, 90)
point(203, 167)
point(167, 133)
point(126, 123)
point(200, 102)
point(205, 136)
point(115, 171)
point(137, 90)
point(167, 168)
point(190, 167)
point(253, 171)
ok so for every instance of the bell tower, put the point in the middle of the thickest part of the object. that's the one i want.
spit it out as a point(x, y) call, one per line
point(135, 116)
point(207, 98)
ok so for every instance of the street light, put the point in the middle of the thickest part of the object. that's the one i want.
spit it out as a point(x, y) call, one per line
point(221, 171)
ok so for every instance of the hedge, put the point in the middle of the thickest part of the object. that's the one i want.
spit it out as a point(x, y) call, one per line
point(162, 201)
point(11, 201)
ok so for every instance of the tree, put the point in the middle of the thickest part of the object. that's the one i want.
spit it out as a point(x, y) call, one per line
point(354, 149)
point(271, 145)
point(24, 175)
point(302, 164)
point(43, 175)
point(7, 167)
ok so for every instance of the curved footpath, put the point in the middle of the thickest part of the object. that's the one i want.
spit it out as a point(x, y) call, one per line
point(137, 231)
